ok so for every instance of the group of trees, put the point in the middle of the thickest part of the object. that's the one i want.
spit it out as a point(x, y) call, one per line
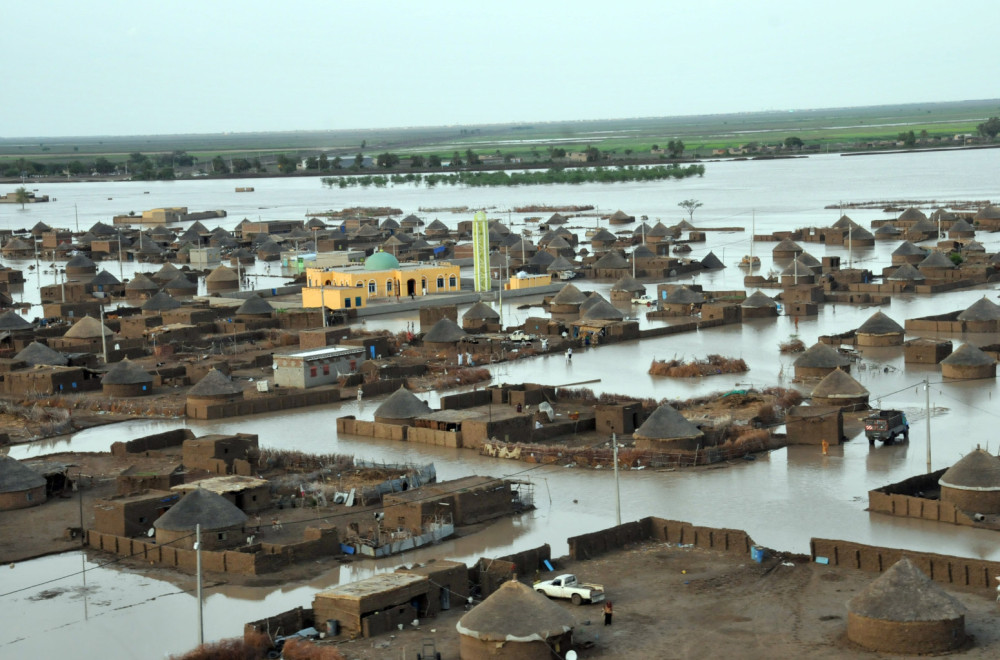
point(139, 166)
point(989, 128)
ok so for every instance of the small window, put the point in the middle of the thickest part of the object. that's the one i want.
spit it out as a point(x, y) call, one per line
point(29, 496)
point(388, 286)
point(440, 282)
point(360, 284)
point(372, 287)
point(452, 283)
point(357, 301)
point(326, 370)
point(347, 303)
point(253, 498)
point(312, 372)
point(221, 536)
point(142, 519)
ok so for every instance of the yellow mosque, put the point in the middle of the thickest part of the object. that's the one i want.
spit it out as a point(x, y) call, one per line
point(381, 277)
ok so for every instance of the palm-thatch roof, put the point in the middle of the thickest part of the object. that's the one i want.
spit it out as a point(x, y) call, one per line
point(667, 424)
point(904, 593)
point(515, 613)
point(682, 295)
point(222, 274)
point(481, 312)
point(821, 356)
point(201, 507)
point(968, 355)
point(711, 262)
point(906, 273)
point(983, 309)
point(912, 215)
point(758, 299)
point(402, 404)
point(88, 328)
point(141, 282)
point(569, 295)
point(629, 284)
point(35, 353)
point(104, 278)
point(611, 261)
point(161, 302)
point(445, 331)
point(16, 477)
point(602, 310)
point(11, 321)
point(126, 372)
point(839, 384)
point(214, 383)
point(936, 260)
point(255, 305)
point(879, 324)
point(978, 470)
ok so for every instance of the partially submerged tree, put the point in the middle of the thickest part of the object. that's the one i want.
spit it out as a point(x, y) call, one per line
point(990, 128)
point(21, 196)
point(690, 205)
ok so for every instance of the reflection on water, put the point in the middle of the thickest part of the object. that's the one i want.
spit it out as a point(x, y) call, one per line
point(781, 499)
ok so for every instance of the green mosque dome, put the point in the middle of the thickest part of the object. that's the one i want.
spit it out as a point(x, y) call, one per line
point(381, 261)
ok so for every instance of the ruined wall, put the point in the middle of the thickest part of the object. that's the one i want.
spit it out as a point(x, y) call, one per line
point(264, 404)
point(587, 546)
point(909, 637)
point(153, 442)
point(285, 623)
point(940, 568)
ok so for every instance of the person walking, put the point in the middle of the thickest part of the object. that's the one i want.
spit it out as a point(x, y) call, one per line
point(608, 611)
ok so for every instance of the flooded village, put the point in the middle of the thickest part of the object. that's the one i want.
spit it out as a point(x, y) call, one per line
point(382, 429)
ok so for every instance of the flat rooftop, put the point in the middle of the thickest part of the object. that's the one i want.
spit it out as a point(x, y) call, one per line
point(320, 353)
point(232, 483)
point(376, 584)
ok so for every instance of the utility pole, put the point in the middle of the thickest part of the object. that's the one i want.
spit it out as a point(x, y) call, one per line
point(104, 337)
point(927, 393)
point(618, 492)
point(197, 547)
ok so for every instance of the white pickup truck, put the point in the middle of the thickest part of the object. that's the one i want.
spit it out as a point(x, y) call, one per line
point(521, 336)
point(566, 586)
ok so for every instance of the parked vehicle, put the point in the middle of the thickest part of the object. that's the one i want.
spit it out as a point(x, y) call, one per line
point(567, 586)
point(643, 300)
point(885, 425)
point(567, 274)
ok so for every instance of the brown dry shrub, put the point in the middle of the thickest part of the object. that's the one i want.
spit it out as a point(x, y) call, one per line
point(582, 394)
point(767, 414)
point(297, 460)
point(710, 366)
point(459, 377)
point(794, 345)
point(300, 649)
point(784, 398)
point(252, 646)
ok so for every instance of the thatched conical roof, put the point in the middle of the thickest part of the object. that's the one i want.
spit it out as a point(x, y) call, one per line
point(977, 470)
point(839, 384)
point(905, 593)
point(602, 311)
point(821, 356)
point(936, 259)
point(611, 260)
point(559, 243)
point(402, 404)
point(166, 273)
point(126, 372)
point(569, 295)
point(629, 284)
point(621, 216)
point(11, 320)
point(787, 245)
point(983, 309)
point(887, 230)
point(515, 613)
point(987, 213)
point(912, 215)
point(141, 282)
point(591, 300)
point(667, 424)
point(968, 355)
point(481, 312)
point(104, 278)
point(560, 263)
point(906, 273)
point(879, 324)
point(684, 296)
point(603, 236)
point(908, 249)
point(541, 259)
point(642, 252)
point(88, 328)
point(844, 222)
point(35, 353)
point(711, 262)
point(556, 219)
point(181, 285)
point(214, 383)
point(445, 331)
point(797, 268)
point(81, 261)
point(758, 299)
point(222, 274)
point(924, 226)
point(161, 302)
point(201, 507)
point(961, 226)
point(16, 477)
point(255, 305)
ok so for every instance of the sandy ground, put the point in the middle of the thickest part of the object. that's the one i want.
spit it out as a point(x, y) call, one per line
point(685, 602)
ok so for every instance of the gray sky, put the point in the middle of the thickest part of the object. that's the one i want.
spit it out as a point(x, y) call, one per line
point(100, 67)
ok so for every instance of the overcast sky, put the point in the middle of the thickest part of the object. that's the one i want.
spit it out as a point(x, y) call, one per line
point(118, 68)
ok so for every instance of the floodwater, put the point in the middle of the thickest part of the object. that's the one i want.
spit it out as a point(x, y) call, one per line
point(782, 499)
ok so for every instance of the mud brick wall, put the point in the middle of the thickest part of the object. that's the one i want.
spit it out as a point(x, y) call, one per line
point(940, 568)
point(908, 506)
point(465, 400)
point(527, 562)
point(153, 442)
point(285, 623)
point(431, 436)
point(587, 546)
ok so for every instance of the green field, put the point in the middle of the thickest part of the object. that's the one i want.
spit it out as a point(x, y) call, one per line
point(832, 129)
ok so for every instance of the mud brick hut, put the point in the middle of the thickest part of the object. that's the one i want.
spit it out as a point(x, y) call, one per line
point(249, 494)
point(444, 335)
point(936, 266)
point(601, 310)
point(988, 217)
point(611, 265)
point(372, 606)
point(214, 388)
point(85, 336)
point(35, 354)
point(619, 217)
point(926, 351)
point(627, 288)
point(20, 486)
point(481, 318)
point(668, 430)
point(839, 390)
point(818, 361)
point(758, 305)
point(515, 623)
point(221, 522)
point(968, 362)
point(158, 303)
point(132, 514)
point(797, 272)
point(255, 307)
point(811, 425)
point(402, 407)
point(879, 330)
point(887, 232)
point(961, 229)
point(181, 287)
point(786, 249)
point(903, 611)
point(140, 287)
point(127, 379)
point(981, 316)
point(681, 300)
point(973, 483)
point(603, 240)
point(222, 278)
point(469, 500)
point(79, 266)
point(908, 274)
point(567, 301)
point(15, 325)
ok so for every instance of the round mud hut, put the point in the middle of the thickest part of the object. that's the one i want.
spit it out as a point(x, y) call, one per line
point(682, 300)
point(880, 330)
point(907, 274)
point(166, 273)
point(968, 363)
point(20, 486)
point(401, 407)
point(973, 483)
point(903, 611)
point(908, 253)
point(80, 265)
point(567, 301)
point(886, 232)
point(839, 390)
point(759, 305)
point(786, 249)
point(936, 265)
point(221, 522)
point(15, 324)
point(127, 379)
point(602, 310)
point(35, 354)
point(667, 429)
point(255, 307)
point(515, 623)
point(444, 334)
point(88, 329)
point(214, 387)
point(818, 361)
point(981, 316)
point(797, 272)
point(181, 287)
point(481, 318)
point(627, 288)
point(140, 287)
point(961, 229)
point(222, 278)
point(159, 303)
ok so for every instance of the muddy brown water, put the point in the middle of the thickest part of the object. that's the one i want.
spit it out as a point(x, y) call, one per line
point(782, 499)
